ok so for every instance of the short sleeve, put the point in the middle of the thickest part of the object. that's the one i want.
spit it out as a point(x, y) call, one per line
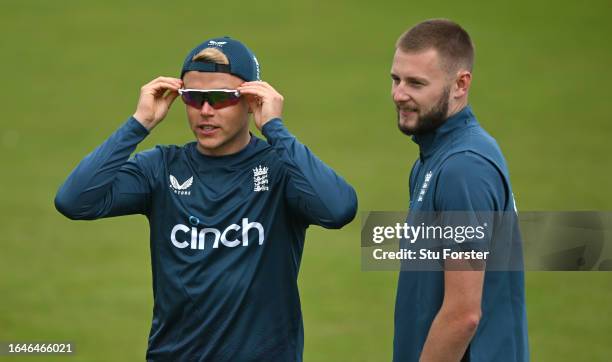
point(469, 194)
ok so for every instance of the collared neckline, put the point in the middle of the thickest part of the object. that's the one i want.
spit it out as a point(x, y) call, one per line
point(431, 141)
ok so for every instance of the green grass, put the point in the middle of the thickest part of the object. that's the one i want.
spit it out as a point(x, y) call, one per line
point(72, 71)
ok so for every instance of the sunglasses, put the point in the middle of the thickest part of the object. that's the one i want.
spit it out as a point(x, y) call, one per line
point(216, 98)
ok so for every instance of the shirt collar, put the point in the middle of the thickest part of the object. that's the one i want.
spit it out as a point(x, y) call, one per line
point(431, 141)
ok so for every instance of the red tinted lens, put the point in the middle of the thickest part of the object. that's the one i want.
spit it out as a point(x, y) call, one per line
point(224, 103)
point(193, 99)
point(219, 100)
point(215, 99)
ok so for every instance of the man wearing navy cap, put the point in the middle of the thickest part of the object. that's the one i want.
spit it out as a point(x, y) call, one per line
point(460, 314)
point(228, 213)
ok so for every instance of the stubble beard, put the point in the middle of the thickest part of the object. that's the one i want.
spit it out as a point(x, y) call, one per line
point(429, 121)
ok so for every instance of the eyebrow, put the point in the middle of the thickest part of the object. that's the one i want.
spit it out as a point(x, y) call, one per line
point(411, 78)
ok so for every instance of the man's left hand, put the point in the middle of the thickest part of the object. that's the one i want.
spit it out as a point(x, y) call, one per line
point(265, 102)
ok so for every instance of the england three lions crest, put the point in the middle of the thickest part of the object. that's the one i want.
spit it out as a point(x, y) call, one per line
point(260, 178)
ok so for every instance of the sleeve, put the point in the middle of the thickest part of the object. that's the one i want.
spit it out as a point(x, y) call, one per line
point(106, 183)
point(469, 196)
point(314, 191)
point(468, 182)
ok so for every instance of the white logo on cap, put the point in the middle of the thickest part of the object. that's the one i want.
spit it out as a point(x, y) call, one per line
point(256, 67)
point(217, 43)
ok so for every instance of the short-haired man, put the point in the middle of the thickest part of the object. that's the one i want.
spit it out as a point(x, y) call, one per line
point(459, 315)
point(228, 213)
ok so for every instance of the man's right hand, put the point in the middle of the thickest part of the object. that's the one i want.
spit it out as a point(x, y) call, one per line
point(155, 100)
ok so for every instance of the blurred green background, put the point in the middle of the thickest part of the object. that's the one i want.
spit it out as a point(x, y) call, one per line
point(71, 75)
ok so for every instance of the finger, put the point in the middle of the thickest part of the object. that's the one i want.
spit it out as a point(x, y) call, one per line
point(254, 91)
point(251, 99)
point(169, 80)
point(170, 97)
point(258, 84)
point(160, 86)
point(176, 81)
point(254, 102)
point(267, 95)
point(263, 89)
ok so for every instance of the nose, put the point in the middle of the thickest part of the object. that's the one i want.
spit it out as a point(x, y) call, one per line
point(207, 109)
point(400, 94)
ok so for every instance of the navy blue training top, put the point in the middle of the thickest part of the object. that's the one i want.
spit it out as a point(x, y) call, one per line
point(226, 236)
point(461, 168)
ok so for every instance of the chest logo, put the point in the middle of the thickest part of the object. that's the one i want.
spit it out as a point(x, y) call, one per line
point(260, 179)
point(424, 186)
point(180, 189)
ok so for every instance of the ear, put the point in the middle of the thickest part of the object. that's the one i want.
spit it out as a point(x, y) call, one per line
point(462, 84)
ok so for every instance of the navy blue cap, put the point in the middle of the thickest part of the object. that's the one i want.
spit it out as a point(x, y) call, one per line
point(242, 61)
